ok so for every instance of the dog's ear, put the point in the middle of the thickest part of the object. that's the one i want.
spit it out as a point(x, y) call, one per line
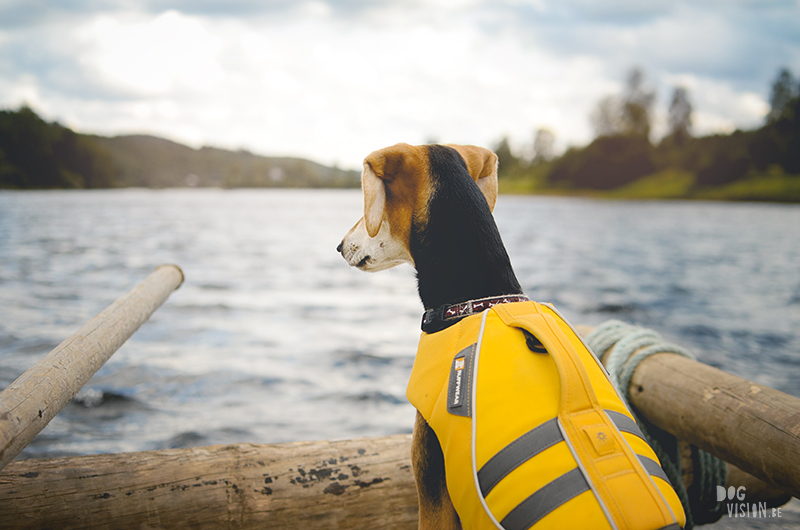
point(482, 166)
point(381, 166)
point(374, 198)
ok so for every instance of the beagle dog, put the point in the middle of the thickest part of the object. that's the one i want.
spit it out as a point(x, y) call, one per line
point(431, 206)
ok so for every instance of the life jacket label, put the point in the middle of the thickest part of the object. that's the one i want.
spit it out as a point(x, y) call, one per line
point(459, 389)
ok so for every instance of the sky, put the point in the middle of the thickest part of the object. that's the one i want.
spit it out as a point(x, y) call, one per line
point(334, 80)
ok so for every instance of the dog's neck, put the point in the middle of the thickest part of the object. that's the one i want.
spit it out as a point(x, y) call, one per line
point(459, 254)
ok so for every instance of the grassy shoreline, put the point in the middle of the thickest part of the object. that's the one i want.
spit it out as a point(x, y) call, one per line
point(671, 184)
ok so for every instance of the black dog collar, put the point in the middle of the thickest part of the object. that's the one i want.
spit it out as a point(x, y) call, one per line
point(434, 320)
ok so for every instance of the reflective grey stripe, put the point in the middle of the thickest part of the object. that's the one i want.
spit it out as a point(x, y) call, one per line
point(653, 467)
point(531, 510)
point(624, 423)
point(532, 443)
point(560, 490)
point(518, 452)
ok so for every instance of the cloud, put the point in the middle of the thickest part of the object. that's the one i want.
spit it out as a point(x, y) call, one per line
point(334, 80)
point(740, 41)
point(151, 56)
point(319, 87)
point(718, 108)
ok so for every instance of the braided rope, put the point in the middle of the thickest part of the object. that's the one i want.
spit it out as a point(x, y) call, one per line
point(628, 346)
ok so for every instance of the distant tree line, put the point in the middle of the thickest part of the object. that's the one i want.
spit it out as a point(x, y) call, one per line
point(622, 152)
point(37, 154)
point(148, 161)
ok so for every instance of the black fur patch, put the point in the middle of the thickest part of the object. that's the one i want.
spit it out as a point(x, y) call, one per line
point(459, 254)
point(433, 486)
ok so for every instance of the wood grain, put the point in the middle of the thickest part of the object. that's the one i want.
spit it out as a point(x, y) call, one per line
point(754, 427)
point(361, 483)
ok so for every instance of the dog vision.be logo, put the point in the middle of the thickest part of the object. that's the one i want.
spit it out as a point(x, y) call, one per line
point(742, 508)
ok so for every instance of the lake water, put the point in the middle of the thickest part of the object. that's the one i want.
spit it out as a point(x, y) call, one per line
point(273, 338)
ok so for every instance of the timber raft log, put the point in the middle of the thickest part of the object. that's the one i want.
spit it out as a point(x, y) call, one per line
point(348, 484)
point(362, 483)
point(752, 426)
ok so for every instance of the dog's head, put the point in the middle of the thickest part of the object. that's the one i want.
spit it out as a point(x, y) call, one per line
point(398, 185)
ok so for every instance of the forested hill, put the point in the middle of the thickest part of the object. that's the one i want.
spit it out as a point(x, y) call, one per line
point(37, 154)
point(156, 162)
point(761, 164)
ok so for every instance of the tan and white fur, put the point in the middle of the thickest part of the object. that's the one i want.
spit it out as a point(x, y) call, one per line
point(396, 188)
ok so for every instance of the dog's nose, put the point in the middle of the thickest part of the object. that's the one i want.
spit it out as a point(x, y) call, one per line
point(339, 248)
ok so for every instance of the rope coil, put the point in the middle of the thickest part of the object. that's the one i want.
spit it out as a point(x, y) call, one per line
point(627, 347)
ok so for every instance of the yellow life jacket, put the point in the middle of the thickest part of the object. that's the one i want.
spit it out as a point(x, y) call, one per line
point(533, 432)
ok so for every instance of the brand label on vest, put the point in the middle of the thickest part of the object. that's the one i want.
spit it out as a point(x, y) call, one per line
point(459, 390)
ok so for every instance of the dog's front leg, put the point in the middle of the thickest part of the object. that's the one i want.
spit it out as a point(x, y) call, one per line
point(436, 511)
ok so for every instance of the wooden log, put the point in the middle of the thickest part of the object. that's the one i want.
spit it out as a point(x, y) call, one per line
point(362, 483)
point(30, 402)
point(753, 427)
point(757, 490)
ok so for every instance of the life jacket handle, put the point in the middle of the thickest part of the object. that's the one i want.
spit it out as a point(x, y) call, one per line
point(577, 394)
